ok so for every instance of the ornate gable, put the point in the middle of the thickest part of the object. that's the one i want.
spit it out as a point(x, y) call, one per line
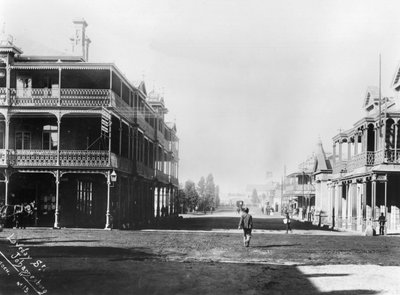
point(371, 98)
point(321, 164)
point(396, 79)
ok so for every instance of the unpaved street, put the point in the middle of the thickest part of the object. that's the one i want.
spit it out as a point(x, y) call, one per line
point(204, 255)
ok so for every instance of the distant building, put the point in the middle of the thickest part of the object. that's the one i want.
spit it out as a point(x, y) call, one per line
point(298, 188)
point(269, 194)
point(89, 146)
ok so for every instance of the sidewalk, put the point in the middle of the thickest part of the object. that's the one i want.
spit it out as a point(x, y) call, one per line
point(347, 230)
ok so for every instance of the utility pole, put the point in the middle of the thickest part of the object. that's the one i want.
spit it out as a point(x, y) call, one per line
point(303, 179)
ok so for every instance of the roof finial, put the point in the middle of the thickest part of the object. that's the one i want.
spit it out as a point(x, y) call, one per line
point(5, 40)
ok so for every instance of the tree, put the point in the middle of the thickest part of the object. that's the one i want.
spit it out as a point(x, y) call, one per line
point(192, 197)
point(201, 187)
point(201, 190)
point(181, 201)
point(217, 199)
point(210, 191)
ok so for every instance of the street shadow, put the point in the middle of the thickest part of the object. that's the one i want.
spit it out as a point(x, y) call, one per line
point(352, 292)
point(101, 275)
point(114, 270)
point(33, 241)
point(321, 275)
point(92, 252)
point(276, 246)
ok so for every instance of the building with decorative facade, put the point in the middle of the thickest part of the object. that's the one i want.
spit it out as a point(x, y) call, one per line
point(298, 188)
point(365, 177)
point(89, 146)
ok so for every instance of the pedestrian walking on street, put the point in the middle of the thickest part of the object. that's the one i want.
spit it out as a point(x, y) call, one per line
point(382, 221)
point(286, 220)
point(246, 223)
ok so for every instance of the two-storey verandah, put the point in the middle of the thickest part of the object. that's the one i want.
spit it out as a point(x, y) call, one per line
point(299, 192)
point(366, 172)
point(67, 104)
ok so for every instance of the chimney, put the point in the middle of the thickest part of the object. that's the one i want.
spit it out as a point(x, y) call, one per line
point(80, 43)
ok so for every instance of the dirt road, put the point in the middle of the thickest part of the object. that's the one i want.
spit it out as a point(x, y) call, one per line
point(202, 255)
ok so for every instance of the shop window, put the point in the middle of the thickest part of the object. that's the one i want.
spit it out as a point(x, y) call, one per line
point(84, 197)
point(50, 137)
point(22, 140)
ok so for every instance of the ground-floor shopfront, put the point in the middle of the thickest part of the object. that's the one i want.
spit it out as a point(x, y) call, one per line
point(357, 201)
point(87, 198)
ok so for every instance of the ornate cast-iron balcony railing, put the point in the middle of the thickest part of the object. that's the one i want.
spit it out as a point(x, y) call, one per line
point(365, 159)
point(84, 158)
point(392, 156)
point(3, 96)
point(66, 97)
point(73, 97)
point(85, 97)
point(68, 158)
point(33, 158)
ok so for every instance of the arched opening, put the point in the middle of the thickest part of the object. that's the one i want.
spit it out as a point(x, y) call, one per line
point(370, 138)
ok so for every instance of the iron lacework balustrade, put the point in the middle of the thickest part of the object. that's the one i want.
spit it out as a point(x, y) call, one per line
point(367, 159)
point(67, 97)
point(48, 158)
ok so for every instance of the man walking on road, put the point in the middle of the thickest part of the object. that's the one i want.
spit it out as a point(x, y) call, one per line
point(246, 222)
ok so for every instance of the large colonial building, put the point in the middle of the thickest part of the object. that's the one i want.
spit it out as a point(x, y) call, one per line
point(364, 180)
point(90, 147)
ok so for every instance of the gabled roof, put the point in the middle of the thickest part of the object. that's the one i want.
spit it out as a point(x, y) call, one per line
point(139, 84)
point(321, 164)
point(371, 95)
point(396, 79)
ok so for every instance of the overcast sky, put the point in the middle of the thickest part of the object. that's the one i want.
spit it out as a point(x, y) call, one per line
point(252, 85)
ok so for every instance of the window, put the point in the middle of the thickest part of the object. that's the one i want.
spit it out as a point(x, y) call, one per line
point(50, 137)
point(84, 197)
point(1, 140)
point(22, 140)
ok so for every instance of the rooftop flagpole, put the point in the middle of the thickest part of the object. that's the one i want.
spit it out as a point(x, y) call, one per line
point(380, 97)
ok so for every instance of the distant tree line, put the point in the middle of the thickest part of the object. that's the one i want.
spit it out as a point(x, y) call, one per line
point(201, 197)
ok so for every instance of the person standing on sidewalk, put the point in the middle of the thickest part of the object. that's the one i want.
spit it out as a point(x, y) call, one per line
point(246, 223)
point(286, 220)
point(382, 221)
